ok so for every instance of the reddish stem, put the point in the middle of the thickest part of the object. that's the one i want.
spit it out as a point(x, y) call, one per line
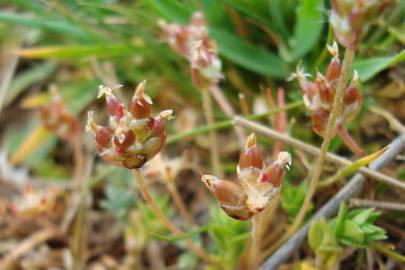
point(349, 141)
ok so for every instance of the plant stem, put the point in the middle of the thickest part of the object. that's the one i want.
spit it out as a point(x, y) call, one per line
point(390, 253)
point(165, 221)
point(27, 245)
point(228, 123)
point(349, 142)
point(171, 186)
point(255, 254)
point(78, 247)
point(209, 118)
point(336, 109)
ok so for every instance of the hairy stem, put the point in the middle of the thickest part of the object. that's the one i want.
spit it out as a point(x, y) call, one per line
point(171, 186)
point(165, 221)
point(209, 118)
point(336, 109)
point(255, 250)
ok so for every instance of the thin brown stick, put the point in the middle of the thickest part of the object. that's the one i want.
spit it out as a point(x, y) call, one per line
point(209, 118)
point(27, 245)
point(377, 204)
point(260, 129)
point(171, 186)
point(165, 221)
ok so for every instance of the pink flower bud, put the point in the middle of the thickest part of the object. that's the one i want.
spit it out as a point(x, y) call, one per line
point(141, 104)
point(319, 119)
point(115, 108)
point(274, 173)
point(230, 197)
point(123, 141)
point(326, 92)
point(250, 156)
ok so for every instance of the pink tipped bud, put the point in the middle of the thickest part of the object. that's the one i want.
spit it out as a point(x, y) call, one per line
point(140, 105)
point(124, 140)
point(319, 119)
point(229, 195)
point(333, 70)
point(352, 93)
point(326, 92)
point(115, 108)
point(103, 136)
point(274, 173)
point(250, 156)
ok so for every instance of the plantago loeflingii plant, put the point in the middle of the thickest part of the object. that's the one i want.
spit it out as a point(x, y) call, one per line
point(349, 21)
point(257, 185)
point(318, 97)
point(133, 138)
point(193, 43)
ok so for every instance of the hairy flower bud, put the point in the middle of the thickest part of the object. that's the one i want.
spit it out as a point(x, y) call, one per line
point(230, 196)
point(350, 19)
point(134, 136)
point(256, 186)
point(58, 119)
point(141, 104)
point(319, 119)
point(250, 156)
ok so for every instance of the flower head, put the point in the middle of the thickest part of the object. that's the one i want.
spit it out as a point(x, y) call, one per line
point(350, 19)
point(134, 135)
point(319, 94)
point(257, 183)
point(33, 203)
point(56, 117)
point(193, 43)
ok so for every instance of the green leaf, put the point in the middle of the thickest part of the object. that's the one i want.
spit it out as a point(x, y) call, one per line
point(276, 13)
point(352, 234)
point(172, 10)
point(315, 235)
point(254, 9)
point(369, 67)
point(174, 238)
point(56, 26)
point(308, 27)
point(25, 79)
point(79, 51)
point(251, 57)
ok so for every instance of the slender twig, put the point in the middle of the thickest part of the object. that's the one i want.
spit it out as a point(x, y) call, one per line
point(377, 204)
point(171, 186)
point(209, 118)
point(165, 221)
point(27, 245)
point(352, 188)
point(387, 251)
point(260, 129)
point(228, 123)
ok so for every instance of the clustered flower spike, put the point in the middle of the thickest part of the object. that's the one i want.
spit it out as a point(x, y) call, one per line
point(134, 135)
point(319, 94)
point(351, 18)
point(58, 119)
point(193, 43)
point(257, 183)
point(33, 203)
